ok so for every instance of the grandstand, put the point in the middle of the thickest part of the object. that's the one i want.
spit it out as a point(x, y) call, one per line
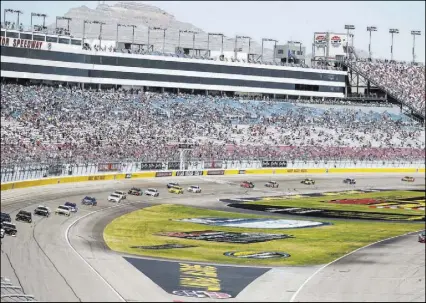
point(62, 112)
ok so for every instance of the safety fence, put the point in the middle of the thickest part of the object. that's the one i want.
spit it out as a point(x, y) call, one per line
point(31, 171)
point(209, 172)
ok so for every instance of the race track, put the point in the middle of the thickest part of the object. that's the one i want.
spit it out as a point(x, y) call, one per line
point(65, 259)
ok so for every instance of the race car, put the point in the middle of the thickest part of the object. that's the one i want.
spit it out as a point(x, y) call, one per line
point(2, 233)
point(247, 184)
point(176, 190)
point(272, 184)
point(45, 207)
point(422, 236)
point(5, 217)
point(42, 211)
point(89, 201)
point(9, 228)
point(408, 179)
point(73, 206)
point(24, 215)
point(121, 193)
point(135, 191)
point(194, 189)
point(172, 184)
point(63, 210)
point(308, 181)
point(152, 192)
point(349, 181)
point(115, 198)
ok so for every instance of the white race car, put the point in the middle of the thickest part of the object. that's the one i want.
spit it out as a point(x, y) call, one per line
point(63, 210)
point(115, 198)
point(194, 189)
point(152, 192)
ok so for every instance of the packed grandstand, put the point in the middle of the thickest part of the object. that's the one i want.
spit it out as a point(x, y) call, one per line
point(63, 122)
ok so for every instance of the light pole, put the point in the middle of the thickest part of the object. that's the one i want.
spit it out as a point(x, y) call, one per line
point(193, 37)
point(393, 31)
point(370, 29)
point(127, 25)
point(348, 27)
point(38, 15)
point(18, 12)
point(415, 33)
point(275, 46)
point(160, 29)
point(93, 22)
point(208, 42)
point(13, 11)
point(63, 18)
point(236, 43)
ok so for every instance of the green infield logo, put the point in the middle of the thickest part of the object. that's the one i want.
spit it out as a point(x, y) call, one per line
point(256, 255)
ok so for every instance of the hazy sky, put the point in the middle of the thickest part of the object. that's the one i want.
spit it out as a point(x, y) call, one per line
point(283, 20)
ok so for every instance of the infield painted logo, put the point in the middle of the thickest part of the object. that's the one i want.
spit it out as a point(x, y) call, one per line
point(254, 223)
point(256, 255)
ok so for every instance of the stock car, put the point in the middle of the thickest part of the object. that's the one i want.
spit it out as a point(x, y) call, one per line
point(121, 193)
point(135, 191)
point(114, 197)
point(247, 184)
point(63, 210)
point(24, 215)
point(152, 192)
point(308, 181)
point(422, 236)
point(89, 201)
point(272, 184)
point(73, 206)
point(5, 217)
point(194, 189)
point(172, 184)
point(176, 190)
point(41, 211)
point(408, 179)
point(349, 181)
point(9, 228)
point(2, 233)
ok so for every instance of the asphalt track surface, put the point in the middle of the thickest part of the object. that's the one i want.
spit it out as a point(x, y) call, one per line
point(65, 258)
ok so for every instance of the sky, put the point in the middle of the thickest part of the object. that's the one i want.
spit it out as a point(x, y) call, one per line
point(290, 20)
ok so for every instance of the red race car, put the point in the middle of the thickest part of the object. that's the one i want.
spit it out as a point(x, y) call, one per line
point(247, 184)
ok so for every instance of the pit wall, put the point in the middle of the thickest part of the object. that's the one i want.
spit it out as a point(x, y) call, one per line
point(211, 172)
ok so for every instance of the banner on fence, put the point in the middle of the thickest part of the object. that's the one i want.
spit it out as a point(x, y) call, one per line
point(274, 163)
point(151, 165)
point(55, 170)
point(163, 174)
point(173, 165)
point(186, 173)
point(215, 172)
point(105, 167)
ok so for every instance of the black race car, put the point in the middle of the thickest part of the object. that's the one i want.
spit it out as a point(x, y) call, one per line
point(42, 211)
point(135, 191)
point(23, 215)
point(5, 218)
point(9, 228)
point(349, 181)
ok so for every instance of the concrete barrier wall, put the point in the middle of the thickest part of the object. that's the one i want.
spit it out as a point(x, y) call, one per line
point(153, 174)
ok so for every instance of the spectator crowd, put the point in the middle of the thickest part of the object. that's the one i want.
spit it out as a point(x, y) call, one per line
point(405, 81)
point(45, 123)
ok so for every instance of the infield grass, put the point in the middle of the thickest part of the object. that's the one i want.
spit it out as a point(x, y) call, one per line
point(311, 246)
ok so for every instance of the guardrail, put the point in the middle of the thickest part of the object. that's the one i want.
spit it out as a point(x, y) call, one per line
point(210, 172)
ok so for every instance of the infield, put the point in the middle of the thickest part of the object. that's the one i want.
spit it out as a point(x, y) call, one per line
point(381, 205)
point(158, 225)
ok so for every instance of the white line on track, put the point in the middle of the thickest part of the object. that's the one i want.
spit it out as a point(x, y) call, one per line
point(348, 254)
point(81, 257)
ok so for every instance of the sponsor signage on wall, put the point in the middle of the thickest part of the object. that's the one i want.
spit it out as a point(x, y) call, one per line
point(163, 174)
point(335, 41)
point(186, 173)
point(13, 42)
point(241, 172)
point(274, 163)
point(213, 164)
point(151, 165)
point(320, 40)
point(173, 165)
point(128, 176)
point(103, 167)
point(215, 172)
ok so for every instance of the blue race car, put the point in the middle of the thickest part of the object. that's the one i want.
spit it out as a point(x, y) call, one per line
point(73, 206)
point(89, 201)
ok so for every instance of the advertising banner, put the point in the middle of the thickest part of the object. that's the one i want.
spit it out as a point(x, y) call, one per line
point(103, 167)
point(215, 172)
point(186, 173)
point(213, 164)
point(173, 165)
point(274, 163)
point(163, 174)
point(151, 165)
